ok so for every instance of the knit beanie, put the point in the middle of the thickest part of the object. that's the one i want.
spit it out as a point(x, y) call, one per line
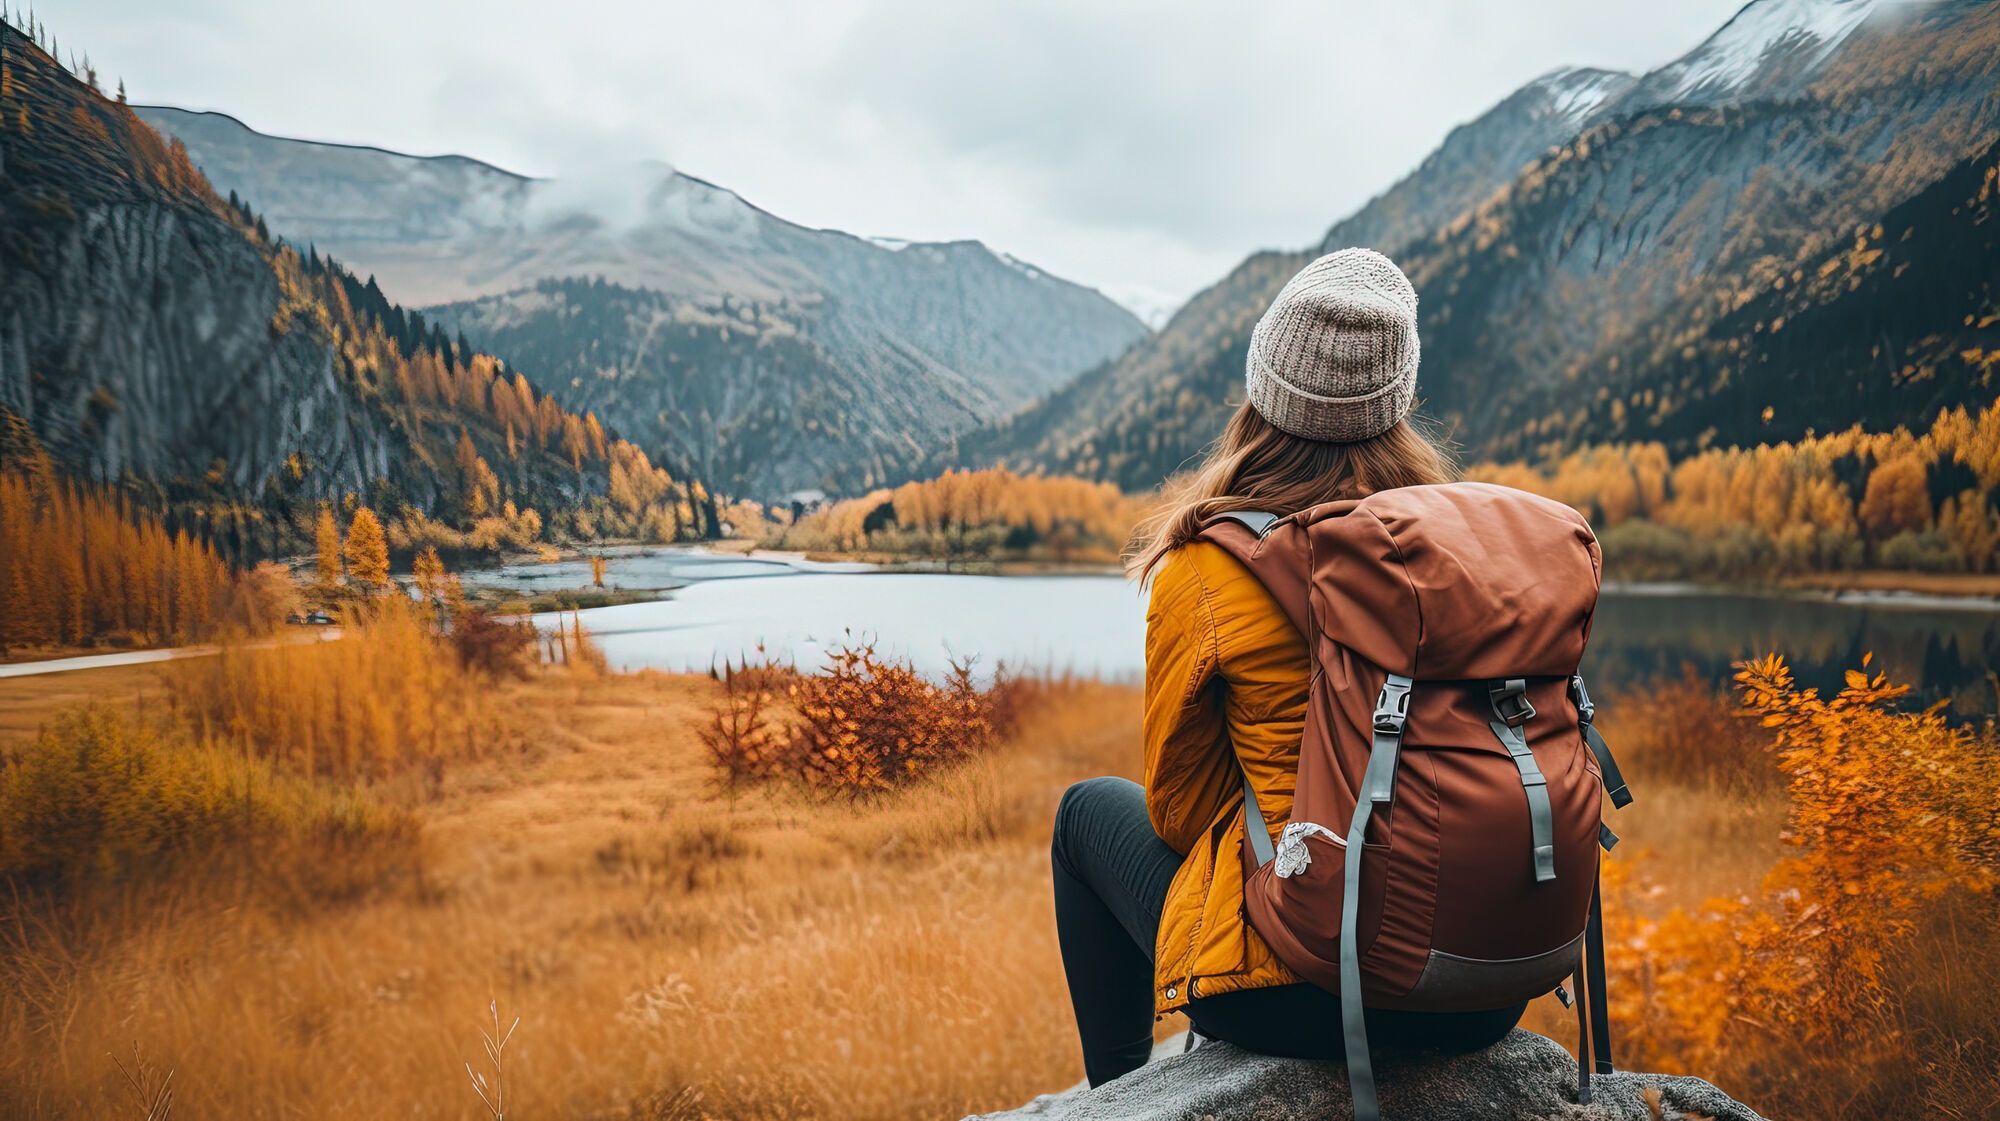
point(1335, 356)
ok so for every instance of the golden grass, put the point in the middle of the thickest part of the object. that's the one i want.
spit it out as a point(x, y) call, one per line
point(386, 696)
point(675, 952)
point(782, 956)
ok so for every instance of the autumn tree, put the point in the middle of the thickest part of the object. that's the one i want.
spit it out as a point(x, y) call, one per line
point(428, 569)
point(367, 550)
point(1897, 498)
point(78, 563)
point(326, 535)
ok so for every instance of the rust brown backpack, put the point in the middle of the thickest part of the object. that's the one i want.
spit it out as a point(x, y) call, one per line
point(1442, 853)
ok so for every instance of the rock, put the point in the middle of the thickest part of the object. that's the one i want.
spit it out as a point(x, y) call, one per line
point(1524, 1077)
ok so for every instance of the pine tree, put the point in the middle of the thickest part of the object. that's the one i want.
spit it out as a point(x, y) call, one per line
point(326, 536)
point(429, 571)
point(367, 550)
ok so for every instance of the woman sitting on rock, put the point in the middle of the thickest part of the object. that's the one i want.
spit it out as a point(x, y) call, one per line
point(1149, 883)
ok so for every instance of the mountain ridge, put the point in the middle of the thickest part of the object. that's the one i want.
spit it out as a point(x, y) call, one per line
point(1620, 232)
point(156, 338)
point(957, 331)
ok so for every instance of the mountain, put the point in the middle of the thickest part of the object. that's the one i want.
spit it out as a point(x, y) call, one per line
point(1561, 291)
point(1136, 419)
point(889, 347)
point(157, 338)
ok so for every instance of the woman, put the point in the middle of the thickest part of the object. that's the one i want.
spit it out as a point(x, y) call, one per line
point(1149, 880)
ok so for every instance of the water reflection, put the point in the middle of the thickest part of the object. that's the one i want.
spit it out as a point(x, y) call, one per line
point(1096, 624)
point(1944, 652)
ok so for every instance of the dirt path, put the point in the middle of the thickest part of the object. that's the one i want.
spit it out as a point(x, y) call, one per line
point(145, 657)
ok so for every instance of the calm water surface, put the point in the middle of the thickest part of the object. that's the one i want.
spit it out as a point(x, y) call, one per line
point(729, 607)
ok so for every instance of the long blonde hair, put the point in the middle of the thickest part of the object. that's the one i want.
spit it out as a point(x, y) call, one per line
point(1255, 465)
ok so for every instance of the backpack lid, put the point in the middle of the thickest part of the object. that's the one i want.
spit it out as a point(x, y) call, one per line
point(1453, 581)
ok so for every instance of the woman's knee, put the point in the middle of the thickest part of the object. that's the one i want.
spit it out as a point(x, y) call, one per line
point(1085, 802)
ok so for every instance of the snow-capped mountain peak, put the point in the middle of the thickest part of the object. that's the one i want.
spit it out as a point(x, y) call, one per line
point(1574, 91)
point(1762, 30)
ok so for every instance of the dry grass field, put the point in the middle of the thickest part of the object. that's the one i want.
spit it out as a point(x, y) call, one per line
point(672, 949)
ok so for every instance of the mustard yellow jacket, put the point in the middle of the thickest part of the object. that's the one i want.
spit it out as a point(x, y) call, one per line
point(1226, 681)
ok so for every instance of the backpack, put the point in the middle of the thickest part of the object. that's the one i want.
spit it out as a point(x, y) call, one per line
point(1442, 853)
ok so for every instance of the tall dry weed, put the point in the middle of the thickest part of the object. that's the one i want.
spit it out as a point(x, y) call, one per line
point(385, 696)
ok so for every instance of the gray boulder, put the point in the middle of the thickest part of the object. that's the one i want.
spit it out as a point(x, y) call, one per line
point(1524, 1077)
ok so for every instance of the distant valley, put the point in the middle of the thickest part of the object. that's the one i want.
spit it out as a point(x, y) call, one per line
point(712, 325)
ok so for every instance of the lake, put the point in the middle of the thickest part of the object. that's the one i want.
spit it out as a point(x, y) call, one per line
point(729, 606)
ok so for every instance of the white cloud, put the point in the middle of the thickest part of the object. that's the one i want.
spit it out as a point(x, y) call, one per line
point(1140, 147)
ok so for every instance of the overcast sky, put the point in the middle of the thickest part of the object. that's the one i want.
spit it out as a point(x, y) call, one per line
point(1141, 147)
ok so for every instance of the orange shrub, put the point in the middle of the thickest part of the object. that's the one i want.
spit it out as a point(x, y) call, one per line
point(1825, 989)
point(490, 645)
point(862, 725)
point(746, 734)
point(866, 724)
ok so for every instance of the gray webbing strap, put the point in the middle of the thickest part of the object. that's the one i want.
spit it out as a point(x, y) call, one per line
point(1253, 824)
point(1378, 787)
point(1593, 961)
point(1607, 767)
point(1256, 521)
point(1511, 710)
point(1582, 1039)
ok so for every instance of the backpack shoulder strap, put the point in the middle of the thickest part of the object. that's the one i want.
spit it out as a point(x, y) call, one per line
point(1258, 522)
point(1274, 550)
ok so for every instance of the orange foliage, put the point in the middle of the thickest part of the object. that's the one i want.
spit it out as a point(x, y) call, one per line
point(387, 695)
point(1789, 506)
point(862, 725)
point(79, 563)
point(980, 513)
point(1807, 988)
point(1897, 499)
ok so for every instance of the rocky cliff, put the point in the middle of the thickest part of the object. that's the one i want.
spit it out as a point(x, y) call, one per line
point(1524, 1077)
point(903, 344)
point(155, 337)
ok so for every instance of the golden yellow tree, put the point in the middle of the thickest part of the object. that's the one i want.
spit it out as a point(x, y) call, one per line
point(1897, 499)
point(326, 536)
point(367, 550)
point(428, 569)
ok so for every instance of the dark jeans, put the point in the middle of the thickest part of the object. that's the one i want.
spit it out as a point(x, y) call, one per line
point(1111, 874)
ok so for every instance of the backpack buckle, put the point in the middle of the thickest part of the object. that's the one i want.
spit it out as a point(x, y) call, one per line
point(1392, 707)
point(1584, 709)
point(1510, 701)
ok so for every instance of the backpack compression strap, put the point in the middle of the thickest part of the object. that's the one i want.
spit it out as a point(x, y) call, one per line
point(1591, 975)
point(1378, 788)
point(1614, 779)
point(1511, 710)
point(1593, 961)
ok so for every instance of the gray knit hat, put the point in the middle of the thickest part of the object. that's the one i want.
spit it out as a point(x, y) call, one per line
point(1335, 356)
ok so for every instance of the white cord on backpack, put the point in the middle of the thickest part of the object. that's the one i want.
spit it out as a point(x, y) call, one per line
point(1293, 857)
